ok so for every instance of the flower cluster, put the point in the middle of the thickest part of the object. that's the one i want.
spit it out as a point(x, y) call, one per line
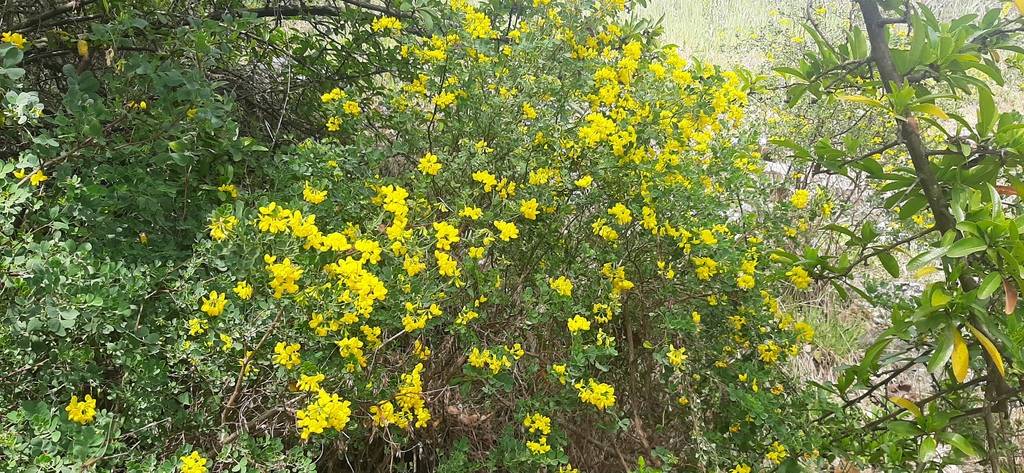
point(327, 411)
point(539, 424)
point(82, 412)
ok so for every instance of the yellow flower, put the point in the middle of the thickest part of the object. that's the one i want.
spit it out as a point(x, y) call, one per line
point(537, 422)
point(287, 355)
point(777, 453)
point(229, 189)
point(334, 95)
point(584, 182)
point(193, 463)
point(227, 341)
point(334, 124)
point(214, 304)
point(412, 265)
point(472, 213)
point(312, 195)
point(243, 290)
point(444, 99)
point(15, 39)
point(478, 25)
point(529, 113)
point(327, 411)
point(508, 230)
point(706, 267)
point(528, 208)
point(221, 227)
point(562, 285)
point(197, 326)
point(446, 265)
point(621, 213)
point(676, 356)
point(309, 383)
point(600, 395)
point(285, 275)
point(560, 371)
point(800, 198)
point(539, 447)
point(446, 234)
point(487, 179)
point(429, 165)
point(745, 281)
point(37, 178)
point(386, 23)
point(578, 324)
point(352, 108)
point(799, 277)
point(82, 412)
point(741, 468)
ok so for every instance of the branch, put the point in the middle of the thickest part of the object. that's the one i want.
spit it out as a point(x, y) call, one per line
point(60, 10)
point(938, 201)
point(304, 11)
point(880, 150)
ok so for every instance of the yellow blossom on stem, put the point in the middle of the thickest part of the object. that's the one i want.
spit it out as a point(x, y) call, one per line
point(578, 324)
point(193, 463)
point(221, 227)
point(243, 290)
point(528, 208)
point(799, 277)
point(287, 355)
point(600, 395)
point(621, 213)
point(472, 213)
point(214, 304)
point(82, 412)
point(386, 23)
point(14, 39)
point(37, 178)
point(327, 411)
point(429, 164)
point(508, 230)
point(312, 195)
point(800, 198)
point(561, 285)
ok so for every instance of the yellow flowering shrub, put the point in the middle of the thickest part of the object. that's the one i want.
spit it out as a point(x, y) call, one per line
point(491, 240)
point(529, 242)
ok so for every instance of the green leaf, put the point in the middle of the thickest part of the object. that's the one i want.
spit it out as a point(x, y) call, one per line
point(902, 427)
point(943, 350)
point(966, 246)
point(926, 257)
point(862, 100)
point(990, 284)
point(960, 442)
point(927, 447)
point(890, 264)
point(986, 111)
point(930, 109)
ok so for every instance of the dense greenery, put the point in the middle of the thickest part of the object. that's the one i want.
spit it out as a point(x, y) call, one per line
point(504, 236)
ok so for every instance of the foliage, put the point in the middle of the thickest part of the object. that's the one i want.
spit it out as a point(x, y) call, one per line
point(517, 237)
point(955, 190)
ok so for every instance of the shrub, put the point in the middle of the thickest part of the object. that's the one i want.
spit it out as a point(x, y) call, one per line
point(538, 244)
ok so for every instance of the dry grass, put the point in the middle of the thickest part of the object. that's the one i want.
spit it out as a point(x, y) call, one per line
point(725, 31)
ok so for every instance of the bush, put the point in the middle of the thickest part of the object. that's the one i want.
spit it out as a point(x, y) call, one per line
point(537, 243)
